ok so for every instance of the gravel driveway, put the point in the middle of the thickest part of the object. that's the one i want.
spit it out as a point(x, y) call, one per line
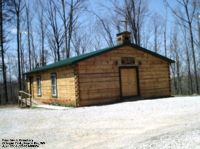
point(168, 123)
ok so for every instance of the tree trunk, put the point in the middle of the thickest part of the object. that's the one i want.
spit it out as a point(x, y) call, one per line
point(199, 30)
point(65, 27)
point(2, 52)
point(192, 46)
point(42, 36)
point(189, 80)
point(155, 39)
point(165, 43)
point(70, 28)
point(179, 88)
point(173, 67)
point(194, 58)
point(28, 38)
point(18, 50)
point(190, 85)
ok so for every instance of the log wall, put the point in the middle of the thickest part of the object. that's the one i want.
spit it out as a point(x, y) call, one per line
point(97, 80)
point(99, 76)
point(66, 79)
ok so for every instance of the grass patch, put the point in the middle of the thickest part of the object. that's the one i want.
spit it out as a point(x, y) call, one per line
point(62, 105)
point(34, 107)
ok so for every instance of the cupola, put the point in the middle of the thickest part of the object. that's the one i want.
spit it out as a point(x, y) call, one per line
point(123, 37)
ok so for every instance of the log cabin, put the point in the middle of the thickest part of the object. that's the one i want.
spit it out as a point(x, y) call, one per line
point(103, 76)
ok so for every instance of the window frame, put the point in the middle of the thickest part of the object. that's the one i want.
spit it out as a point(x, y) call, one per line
point(128, 61)
point(54, 87)
point(39, 86)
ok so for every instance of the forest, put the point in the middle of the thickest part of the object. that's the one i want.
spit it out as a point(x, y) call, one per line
point(34, 33)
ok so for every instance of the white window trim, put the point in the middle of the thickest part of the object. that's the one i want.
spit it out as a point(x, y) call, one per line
point(39, 87)
point(54, 75)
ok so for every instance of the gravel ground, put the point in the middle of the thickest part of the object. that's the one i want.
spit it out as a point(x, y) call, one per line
point(168, 123)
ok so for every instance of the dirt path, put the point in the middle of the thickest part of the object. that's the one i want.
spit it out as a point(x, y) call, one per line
point(160, 124)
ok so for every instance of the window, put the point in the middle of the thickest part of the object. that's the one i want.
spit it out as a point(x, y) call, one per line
point(127, 60)
point(53, 85)
point(38, 79)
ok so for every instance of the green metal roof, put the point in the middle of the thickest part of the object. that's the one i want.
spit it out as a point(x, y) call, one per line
point(73, 60)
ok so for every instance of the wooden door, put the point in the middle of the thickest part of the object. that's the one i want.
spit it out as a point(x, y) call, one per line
point(129, 82)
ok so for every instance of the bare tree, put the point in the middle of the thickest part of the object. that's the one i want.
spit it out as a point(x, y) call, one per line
point(42, 32)
point(134, 11)
point(157, 21)
point(71, 18)
point(28, 35)
point(80, 42)
point(22, 60)
point(188, 61)
point(176, 68)
point(64, 19)
point(70, 21)
point(76, 8)
point(186, 15)
point(33, 47)
point(16, 7)
point(105, 30)
point(165, 30)
point(55, 36)
point(155, 37)
point(199, 29)
point(2, 51)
